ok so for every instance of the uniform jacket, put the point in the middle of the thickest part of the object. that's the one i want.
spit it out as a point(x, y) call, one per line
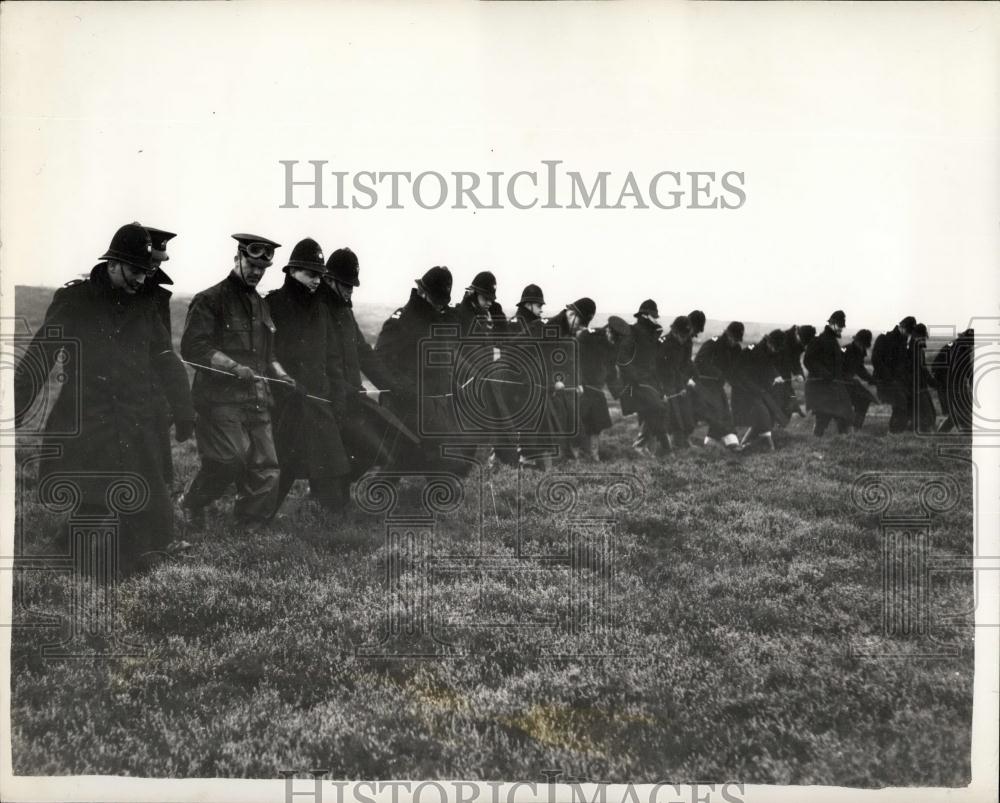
point(307, 437)
point(890, 360)
point(354, 353)
point(854, 363)
point(398, 346)
point(826, 390)
point(119, 364)
point(789, 359)
point(526, 323)
point(230, 317)
point(716, 361)
point(674, 365)
point(477, 322)
point(637, 356)
point(598, 361)
point(304, 341)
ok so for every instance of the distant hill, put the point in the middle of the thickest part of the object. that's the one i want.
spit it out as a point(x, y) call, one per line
point(31, 302)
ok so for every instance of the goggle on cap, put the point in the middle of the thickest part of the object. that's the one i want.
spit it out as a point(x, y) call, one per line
point(256, 247)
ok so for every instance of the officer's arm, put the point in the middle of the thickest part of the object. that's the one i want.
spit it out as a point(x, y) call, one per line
point(626, 358)
point(614, 381)
point(32, 372)
point(198, 343)
point(173, 376)
point(334, 371)
point(863, 371)
point(372, 366)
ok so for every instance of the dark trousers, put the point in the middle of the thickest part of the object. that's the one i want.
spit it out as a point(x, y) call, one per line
point(823, 421)
point(236, 446)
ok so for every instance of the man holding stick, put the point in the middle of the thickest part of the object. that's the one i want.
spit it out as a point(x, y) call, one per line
point(229, 336)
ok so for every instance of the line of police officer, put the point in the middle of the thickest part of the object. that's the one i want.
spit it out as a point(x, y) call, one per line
point(278, 393)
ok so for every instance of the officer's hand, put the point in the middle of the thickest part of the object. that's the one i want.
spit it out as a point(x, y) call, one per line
point(183, 430)
point(579, 388)
point(244, 373)
point(779, 380)
point(691, 383)
point(559, 385)
point(296, 387)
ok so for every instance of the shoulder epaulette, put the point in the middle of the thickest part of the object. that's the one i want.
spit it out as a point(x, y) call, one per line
point(73, 282)
point(397, 314)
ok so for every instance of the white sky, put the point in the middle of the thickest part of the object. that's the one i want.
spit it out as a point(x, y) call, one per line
point(868, 134)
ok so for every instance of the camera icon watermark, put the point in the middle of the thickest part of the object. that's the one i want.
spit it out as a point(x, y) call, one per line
point(960, 369)
point(45, 367)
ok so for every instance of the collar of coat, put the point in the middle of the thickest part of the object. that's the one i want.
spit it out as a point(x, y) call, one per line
point(648, 327)
point(421, 307)
point(298, 292)
point(239, 285)
point(526, 314)
point(100, 283)
point(332, 297)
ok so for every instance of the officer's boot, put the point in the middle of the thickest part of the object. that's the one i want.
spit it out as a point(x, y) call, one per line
point(593, 447)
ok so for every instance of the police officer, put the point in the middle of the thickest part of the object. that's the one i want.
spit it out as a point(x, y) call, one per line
point(307, 433)
point(754, 400)
point(826, 392)
point(423, 399)
point(229, 336)
point(675, 371)
point(367, 433)
point(528, 317)
point(893, 372)
point(598, 351)
point(715, 366)
point(789, 365)
point(563, 379)
point(110, 395)
point(638, 362)
point(480, 384)
point(856, 372)
point(156, 288)
point(924, 415)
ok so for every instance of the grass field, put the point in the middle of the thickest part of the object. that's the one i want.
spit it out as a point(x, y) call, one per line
point(738, 586)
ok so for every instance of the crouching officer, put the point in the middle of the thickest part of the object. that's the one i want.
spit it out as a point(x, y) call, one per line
point(229, 337)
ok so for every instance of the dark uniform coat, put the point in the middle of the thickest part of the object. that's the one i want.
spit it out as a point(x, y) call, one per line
point(637, 361)
point(856, 372)
point(480, 362)
point(164, 415)
point(788, 362)
point(424, 396)
point(597, 369)
point(119, 365)
point(674, 368)
point(826, 391)
point(366, 434)
point(924, 412)
point(307, 434)
point(755, 402)
point(891, 368)
point(715, 365)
